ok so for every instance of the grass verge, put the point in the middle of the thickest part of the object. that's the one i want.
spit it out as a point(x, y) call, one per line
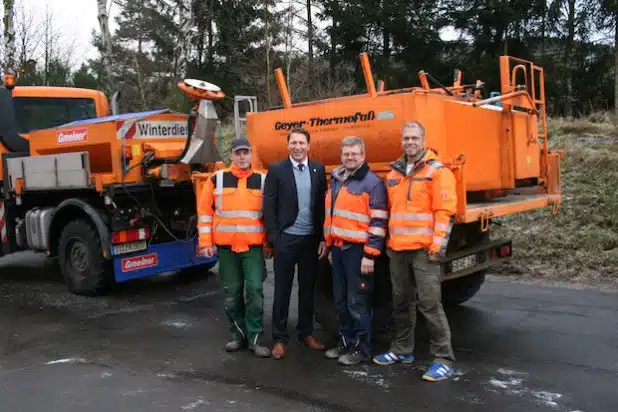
point(580, 244)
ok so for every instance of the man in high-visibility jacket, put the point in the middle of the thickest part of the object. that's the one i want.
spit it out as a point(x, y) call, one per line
point(229, 207)
point(355, 230)
point(422, 202)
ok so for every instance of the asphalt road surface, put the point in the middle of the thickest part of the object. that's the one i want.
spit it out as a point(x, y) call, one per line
point(157, 346)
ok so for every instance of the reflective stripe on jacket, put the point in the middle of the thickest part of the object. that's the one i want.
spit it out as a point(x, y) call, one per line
point(422, 205)
point(229, 209)
point(356, 211)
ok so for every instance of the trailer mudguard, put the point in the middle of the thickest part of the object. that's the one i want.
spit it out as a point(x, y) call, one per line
point(65, 212)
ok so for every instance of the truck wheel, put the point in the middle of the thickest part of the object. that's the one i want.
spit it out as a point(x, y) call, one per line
point(459, 290)
point(83, 267)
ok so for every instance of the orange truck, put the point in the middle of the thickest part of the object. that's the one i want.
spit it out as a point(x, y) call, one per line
point(110, 196)
point(496, 147)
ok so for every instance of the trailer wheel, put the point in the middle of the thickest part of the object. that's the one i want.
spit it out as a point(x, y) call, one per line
point(83, 267)
point(459, 290)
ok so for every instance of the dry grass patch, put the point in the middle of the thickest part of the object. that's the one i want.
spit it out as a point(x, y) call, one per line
point(227, 133)
point(580, 244)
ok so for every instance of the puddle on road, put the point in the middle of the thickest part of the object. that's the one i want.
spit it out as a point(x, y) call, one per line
point(512, 383)
point(176, 323)
point(457, 374)
point(67, 360)
point(366, 375)
point(191, 406)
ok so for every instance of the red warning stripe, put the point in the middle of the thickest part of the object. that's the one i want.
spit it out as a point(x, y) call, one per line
point(130, 133)
point(3, 231)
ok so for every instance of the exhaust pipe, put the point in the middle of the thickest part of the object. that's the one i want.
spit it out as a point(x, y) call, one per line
point(114, 102)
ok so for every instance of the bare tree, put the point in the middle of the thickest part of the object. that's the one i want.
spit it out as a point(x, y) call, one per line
point(53, 53)
point(106, 38)
point(28, 35)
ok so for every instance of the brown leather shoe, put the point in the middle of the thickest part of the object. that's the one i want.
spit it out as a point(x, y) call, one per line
point(313, 344)
point(278, 351)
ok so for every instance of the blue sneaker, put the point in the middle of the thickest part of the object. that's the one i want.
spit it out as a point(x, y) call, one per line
point(388, 358)
point(437, 372)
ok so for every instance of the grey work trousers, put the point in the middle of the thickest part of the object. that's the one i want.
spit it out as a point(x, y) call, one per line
point(416, 283)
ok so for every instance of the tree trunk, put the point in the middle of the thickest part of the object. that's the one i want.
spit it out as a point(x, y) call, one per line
point(201, 28)
point(386, 45)
point(568, 64)
point(48, 46)
point(385, 23)
point(140, 84)
point(267, 45)
point(9, 36)
point(107, 52)
point(310, 41)
point(289, 43)
point(616, 67)
point(185, 37)
point(333, 50)
point(211, 40)
point(543, 25)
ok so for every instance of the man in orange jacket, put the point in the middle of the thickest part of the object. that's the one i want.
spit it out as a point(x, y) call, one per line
point(355, 230)
point(229, 206)
point(422, 202)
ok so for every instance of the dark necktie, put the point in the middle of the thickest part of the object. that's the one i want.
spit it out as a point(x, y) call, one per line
point(301, 167)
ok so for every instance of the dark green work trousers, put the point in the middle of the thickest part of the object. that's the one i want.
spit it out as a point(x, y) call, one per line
point(416, 284)
point(242, 276)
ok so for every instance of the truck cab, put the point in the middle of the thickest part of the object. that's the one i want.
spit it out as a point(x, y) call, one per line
point(41, 107)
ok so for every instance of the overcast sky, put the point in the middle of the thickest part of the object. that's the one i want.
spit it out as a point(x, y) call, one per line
point(75, 19)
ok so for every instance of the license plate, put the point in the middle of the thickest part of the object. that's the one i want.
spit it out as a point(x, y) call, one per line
point(463, 263)
point(129, 247)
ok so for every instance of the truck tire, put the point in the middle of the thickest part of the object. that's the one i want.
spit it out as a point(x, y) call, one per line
point(81, 260)
point(459, 290)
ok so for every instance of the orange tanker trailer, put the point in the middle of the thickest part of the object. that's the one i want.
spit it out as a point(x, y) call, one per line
point(496, 147)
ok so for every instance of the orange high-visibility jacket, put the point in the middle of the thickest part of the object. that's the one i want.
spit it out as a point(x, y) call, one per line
point(422, 205)
point(356, 211)
point(229, 209)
